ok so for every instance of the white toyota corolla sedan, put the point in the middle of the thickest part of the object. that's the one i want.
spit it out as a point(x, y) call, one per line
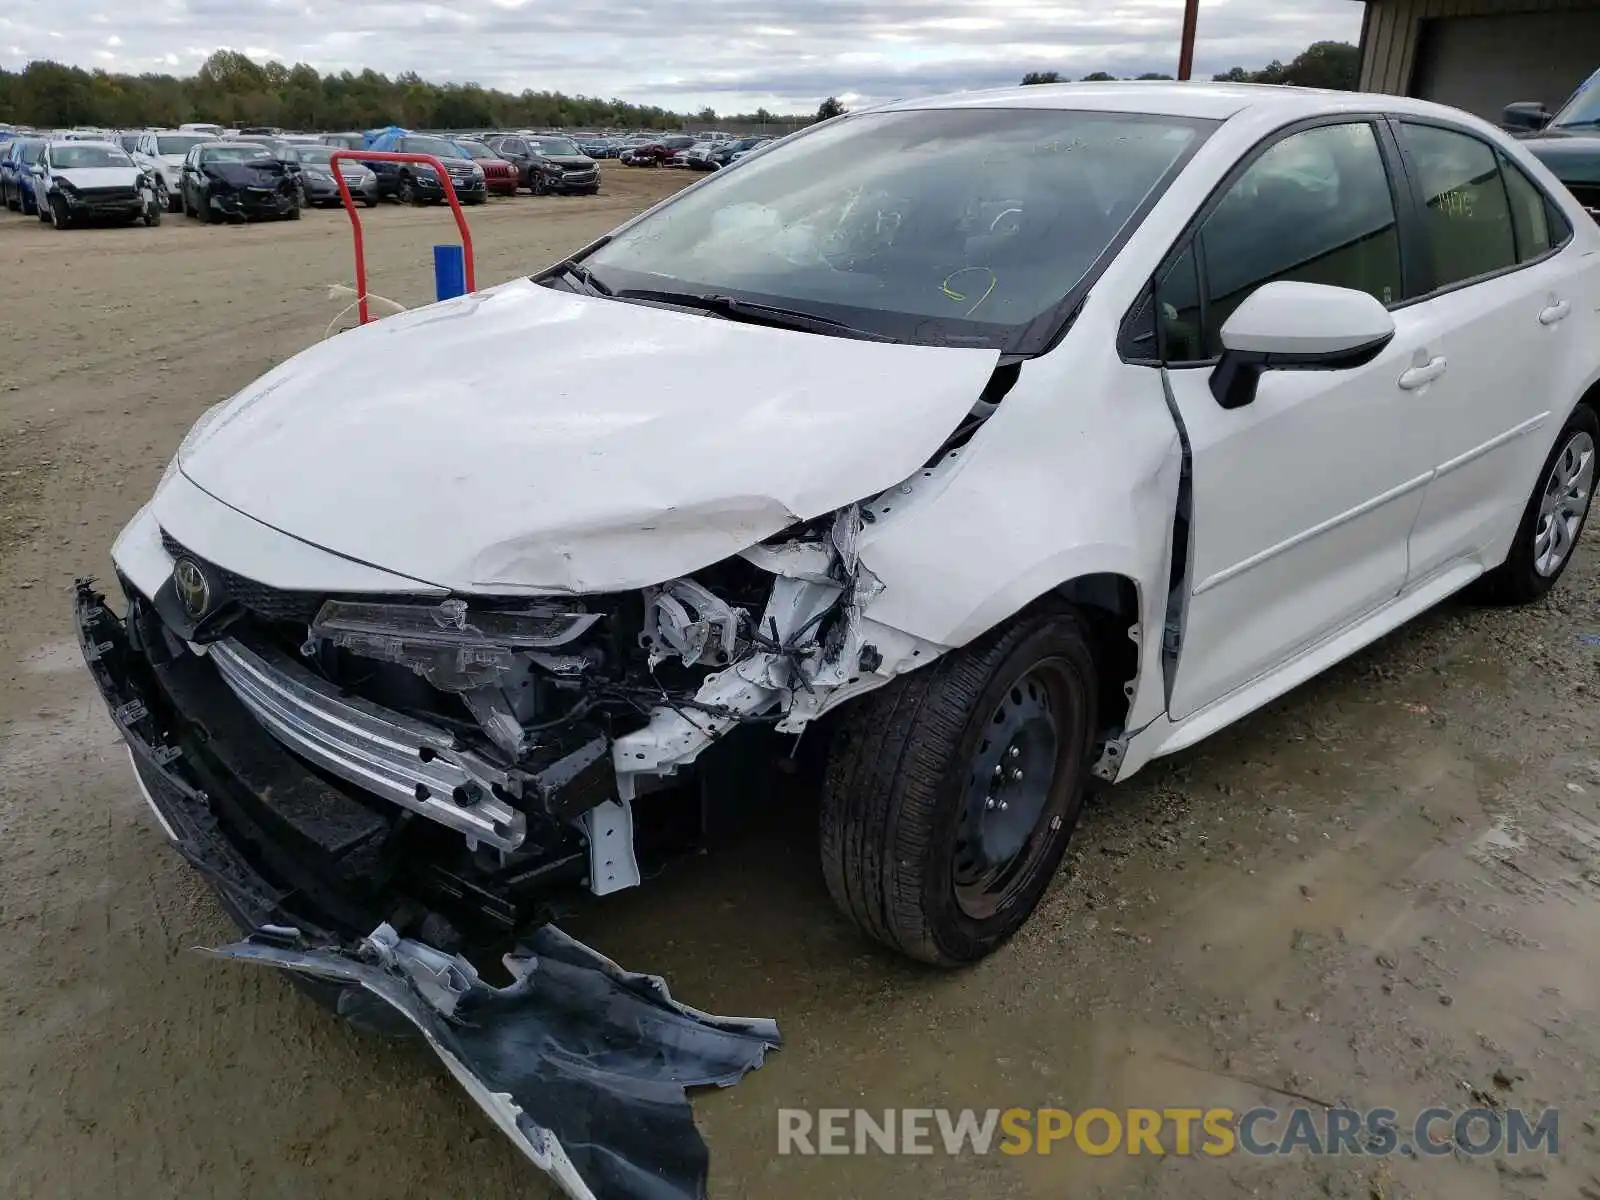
point(993, 442)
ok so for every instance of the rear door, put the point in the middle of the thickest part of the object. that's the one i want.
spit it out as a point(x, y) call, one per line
point(1504, 297)
point(1303, 499)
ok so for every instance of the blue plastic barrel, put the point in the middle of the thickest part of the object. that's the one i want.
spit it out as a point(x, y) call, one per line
point(449, 272)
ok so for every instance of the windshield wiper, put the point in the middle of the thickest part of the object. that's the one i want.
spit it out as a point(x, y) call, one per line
point(1586, 123)
point(584, 276)
point(735, 309)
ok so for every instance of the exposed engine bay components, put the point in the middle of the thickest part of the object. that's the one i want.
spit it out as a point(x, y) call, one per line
point(684, 619)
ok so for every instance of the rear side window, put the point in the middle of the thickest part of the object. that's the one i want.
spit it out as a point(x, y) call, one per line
point(1537, 224)
point(1314, 208)
point(1467, 220)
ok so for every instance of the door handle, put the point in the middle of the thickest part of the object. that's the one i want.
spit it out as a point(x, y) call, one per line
point(1423, 375)
point(1556, 311)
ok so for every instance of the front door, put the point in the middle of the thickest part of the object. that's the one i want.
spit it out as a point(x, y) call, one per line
point(1303, 500)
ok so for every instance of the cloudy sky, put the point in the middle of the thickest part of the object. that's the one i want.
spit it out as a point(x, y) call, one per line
point(733, 55)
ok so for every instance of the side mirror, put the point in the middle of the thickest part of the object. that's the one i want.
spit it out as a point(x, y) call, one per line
point(1528, 115)
point(1297, 327)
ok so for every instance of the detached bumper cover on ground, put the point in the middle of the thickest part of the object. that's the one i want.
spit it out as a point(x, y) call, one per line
point(582, 1064)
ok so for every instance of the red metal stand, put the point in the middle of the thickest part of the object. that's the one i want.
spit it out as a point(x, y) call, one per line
point(339, 156)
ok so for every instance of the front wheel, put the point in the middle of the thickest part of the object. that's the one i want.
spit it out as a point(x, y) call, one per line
point(152, 215)
point(1554, 518)
point(60, 217)
point(538, 187)
point(952, 791)
point(406, 193)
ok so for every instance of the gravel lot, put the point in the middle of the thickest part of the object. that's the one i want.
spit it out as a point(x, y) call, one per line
point(1382, 891)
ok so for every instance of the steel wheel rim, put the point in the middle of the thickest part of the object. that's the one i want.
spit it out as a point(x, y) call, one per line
point(1563, 504)
point(1014, 791)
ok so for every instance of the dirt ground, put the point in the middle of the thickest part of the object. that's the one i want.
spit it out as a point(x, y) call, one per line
point(1383, 891)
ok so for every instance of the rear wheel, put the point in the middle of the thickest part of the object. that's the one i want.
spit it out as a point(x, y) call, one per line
point(1554, 518)
point(951, 792)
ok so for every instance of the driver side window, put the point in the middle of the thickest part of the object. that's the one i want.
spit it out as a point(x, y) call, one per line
point(1314, 208)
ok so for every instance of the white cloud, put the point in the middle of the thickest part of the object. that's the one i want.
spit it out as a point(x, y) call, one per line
point(733, 55)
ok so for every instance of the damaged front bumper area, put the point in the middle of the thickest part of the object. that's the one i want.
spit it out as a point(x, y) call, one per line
point(583, 1065)
point(473, 765)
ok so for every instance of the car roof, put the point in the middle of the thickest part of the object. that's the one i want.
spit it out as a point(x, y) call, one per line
point(1206, 101)
point(101, 142)
point(236, 144)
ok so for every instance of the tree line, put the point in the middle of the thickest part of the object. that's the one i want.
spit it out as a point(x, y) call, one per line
point(1334, 65)
point(232, 89)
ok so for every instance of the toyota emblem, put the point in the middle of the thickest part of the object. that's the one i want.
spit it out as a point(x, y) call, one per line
point(194, 590)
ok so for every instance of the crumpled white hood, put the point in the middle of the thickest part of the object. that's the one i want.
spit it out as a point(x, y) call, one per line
point(529, 439)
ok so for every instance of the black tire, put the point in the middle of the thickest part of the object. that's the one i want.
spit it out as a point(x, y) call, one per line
point(294, 213)
point(405, 192)
point(152, 215)
point(1519, 579)
point(538, 186)
point(60, 216)
point(371, 202)
point(903, 794)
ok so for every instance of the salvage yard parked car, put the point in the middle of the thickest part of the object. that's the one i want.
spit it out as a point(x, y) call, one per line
point(995, 467)
point(313, 167)
point(161, 154)
point(418, 183)
point(17, 164)
point(655, 153)
point(81, 180)
point(1568, 141)
point(237, 181)
point(500, 177)
point(549, 165)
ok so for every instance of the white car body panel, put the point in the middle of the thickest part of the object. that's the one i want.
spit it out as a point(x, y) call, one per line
point(644, 443)
point(635, 455)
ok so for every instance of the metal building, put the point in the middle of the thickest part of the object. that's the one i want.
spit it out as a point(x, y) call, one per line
point(1480, 55)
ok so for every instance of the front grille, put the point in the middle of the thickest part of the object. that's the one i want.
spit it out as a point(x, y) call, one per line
point(269, 603)
point(100, 194)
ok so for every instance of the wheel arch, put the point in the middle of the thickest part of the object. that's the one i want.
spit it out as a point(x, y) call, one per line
point(1112, 604)
point(1591, 398)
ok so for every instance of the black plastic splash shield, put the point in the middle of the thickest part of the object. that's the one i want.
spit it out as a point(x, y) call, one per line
point(582, 1064)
